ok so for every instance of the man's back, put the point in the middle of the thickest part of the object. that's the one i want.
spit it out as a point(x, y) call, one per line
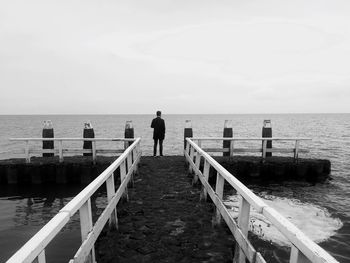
point(158, 125)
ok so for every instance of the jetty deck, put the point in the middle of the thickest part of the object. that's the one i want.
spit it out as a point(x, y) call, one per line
point(164, 220)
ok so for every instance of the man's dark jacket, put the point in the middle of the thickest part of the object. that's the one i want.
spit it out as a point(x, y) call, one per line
point(158, 125)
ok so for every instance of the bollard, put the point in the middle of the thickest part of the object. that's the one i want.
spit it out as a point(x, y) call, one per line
point(188, 132)
point(228, 133)
point(267, 133)
point(48, 133)
point(88, 132)
point(129, 133)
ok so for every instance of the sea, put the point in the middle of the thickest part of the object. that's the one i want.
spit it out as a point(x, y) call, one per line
point(321, 210)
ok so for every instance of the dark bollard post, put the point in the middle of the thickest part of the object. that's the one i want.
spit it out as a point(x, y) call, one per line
point(188, 132)
point(228, 133)
point(129, 133)
point(48, 133)
point(267, 133)
point(88, 132)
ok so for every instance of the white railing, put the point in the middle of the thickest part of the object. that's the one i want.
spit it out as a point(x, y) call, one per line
point(302, 248)
point(34, 249)
point(60, 150)
point(263, 149)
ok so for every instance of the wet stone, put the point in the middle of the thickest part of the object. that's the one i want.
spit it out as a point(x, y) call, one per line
point(164, 221)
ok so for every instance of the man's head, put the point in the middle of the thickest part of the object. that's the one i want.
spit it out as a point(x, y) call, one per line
point(159, 113)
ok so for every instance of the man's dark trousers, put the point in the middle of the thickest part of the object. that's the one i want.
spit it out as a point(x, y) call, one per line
point(160, 147)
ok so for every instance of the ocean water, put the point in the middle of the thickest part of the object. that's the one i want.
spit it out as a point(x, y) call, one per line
point(322, 210)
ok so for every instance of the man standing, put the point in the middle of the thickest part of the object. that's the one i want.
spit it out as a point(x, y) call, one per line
point(158, 126)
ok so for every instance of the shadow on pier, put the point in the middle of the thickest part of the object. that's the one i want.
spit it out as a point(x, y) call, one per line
point(164, 220)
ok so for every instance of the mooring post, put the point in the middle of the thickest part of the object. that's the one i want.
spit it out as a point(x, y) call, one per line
point(128, 133)
point(88, 132)
point(48, 133)
point(188, 132)
point(228, 132)
point(267, 133)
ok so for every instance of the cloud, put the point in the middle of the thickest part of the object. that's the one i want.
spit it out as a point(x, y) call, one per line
point(216, 54)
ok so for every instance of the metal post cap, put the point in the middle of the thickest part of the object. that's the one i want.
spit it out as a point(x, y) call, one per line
point(48, 124)
point(188, 124)
point(267, 124)
point(228, 124)
point(87, 125)
point(128, 125)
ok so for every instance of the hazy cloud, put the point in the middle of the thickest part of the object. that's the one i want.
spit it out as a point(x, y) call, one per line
point(180, 56)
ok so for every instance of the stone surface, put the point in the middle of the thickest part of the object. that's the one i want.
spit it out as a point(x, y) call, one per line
point(165, 221)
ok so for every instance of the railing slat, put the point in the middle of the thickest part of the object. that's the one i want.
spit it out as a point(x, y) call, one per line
point(197, 163)
point(206, 170)
point(113, 221)
point(219, 191)
point(42, 257)
point(297, 257)
point(191, 157)
point(86, 226)
point(243, 224)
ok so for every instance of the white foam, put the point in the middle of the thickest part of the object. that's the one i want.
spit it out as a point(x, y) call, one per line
point(314, 221)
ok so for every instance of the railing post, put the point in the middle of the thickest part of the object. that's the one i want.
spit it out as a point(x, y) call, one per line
point(296, 150)
point(243, 224)
point(60, 151)
point(198, 163)
point(129, 162)
point(206, 177)
point(134, 156)
point(296, 256)
point(113, 221)
point(27, 152)
point(86, 227)
point(191, 157)
point(264, 148)
point(219, 191)
point(94, 151)
point(199, 143)
point(41, 258)
point(122, 168)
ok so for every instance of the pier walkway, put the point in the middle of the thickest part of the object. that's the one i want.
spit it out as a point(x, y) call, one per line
point(164, 220)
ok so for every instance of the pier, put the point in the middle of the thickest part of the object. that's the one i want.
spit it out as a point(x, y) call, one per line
point(166, 216)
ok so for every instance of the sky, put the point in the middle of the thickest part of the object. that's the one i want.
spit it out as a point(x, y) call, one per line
point(179, 56)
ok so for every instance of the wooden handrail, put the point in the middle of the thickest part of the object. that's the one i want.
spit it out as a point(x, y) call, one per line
point(34, 249)
point(295, 150)
point(60, 151)
point(303, 249)
point(74, 139)
point(251, 138)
